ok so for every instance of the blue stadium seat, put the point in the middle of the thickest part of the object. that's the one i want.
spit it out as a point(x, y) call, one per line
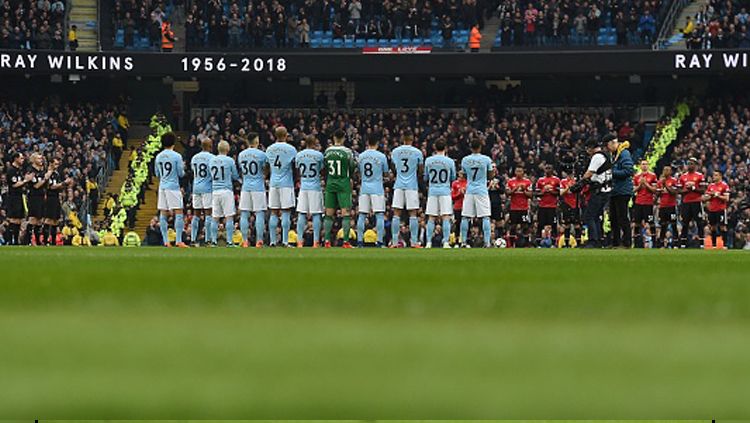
point(394, 42)
point(315, 43)
point(338, 43)
point(371, 42)
point(383, 43)
point(611, 40)
point(349, 43)
point(326, 43)
point(328, 34)
point(317, 34)
point(359, 43)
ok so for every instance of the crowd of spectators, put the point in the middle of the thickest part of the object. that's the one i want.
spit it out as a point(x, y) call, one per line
point(719, 136)
point(80, 135)
point(140, 22)
point(578, 22)
point(291, 23)
point(32, 24)
point(719, 24)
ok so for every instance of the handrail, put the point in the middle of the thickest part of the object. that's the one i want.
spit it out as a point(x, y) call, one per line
point(667, 27)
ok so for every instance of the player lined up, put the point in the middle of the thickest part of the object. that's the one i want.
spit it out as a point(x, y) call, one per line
point(213, 197)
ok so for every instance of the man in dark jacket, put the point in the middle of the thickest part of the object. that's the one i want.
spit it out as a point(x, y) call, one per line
point(622, 192)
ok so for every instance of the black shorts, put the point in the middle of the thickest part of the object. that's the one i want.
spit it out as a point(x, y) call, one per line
point(569, 215)
point(547, 216)
point(691, 212)
point(643, 213)
point(667, 215)
point(36, 206)
point(717, 218)
point(52, 208)
point(519, 217)
point(14, 207)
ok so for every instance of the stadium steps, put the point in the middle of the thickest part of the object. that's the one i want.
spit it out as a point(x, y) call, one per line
point(114, 184)
point(491, 27)
point(83, 14)
point(148, 209)
point(677, 40)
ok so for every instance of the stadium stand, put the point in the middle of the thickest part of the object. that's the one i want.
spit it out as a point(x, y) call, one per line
point(578, 23)
point(28, 25)
point(79, 135)
point(718, 25)
point(243, 25)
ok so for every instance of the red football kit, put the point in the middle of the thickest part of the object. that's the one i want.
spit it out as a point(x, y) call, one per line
point(644, 197)
point(693, 180)
point(548, 200)
point(518, 200)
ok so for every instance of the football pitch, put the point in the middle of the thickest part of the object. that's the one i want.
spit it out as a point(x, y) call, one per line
point(285, 333)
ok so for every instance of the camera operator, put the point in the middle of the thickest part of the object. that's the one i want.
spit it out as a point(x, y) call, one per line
point(599, 177)
point(622, 192)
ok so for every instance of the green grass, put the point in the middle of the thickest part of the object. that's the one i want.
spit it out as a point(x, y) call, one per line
point(157, 333)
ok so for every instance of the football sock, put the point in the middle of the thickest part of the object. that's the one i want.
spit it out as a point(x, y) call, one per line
point(346, 224)
point(164, 227)
point(215, 230)
point(486, 230)
point(360, 227)
point(179, 226)
point(273, 223)
point(395, 228)
point(52, 240)
point(45, 233)
point(208, 227)
point(446, 230)
point(15, 233)
point(260, 225)
point(464, 229)
point(229, 225)
point(244, 224)
point(301, 223)
point(195, 226)
point(380, 225)
point(327, 226)
point(316, 227)
point(430, 230)
point(414, 229)
point(286, 223)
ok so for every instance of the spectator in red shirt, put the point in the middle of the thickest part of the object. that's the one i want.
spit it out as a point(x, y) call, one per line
point(717, 198)
point(667, 188)
point(643, 209)
point(519, 190)
point(548, 188)
point(458, 189)
point(691, 185)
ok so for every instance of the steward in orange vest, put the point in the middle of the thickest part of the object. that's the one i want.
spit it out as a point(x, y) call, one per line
point(475, 38)
point(167, 37)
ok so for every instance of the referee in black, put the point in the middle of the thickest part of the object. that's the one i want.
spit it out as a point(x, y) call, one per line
point(14, 209)
point(37, 194)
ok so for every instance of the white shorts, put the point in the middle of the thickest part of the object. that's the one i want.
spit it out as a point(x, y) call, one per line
point(223, 204)
point(476, 205)
point(203, 201)
point(439, 205)
point(253, 201)
point(403, 198)
point(310, 202)
point(169, 200)
point(372, 203)
point(280, 198)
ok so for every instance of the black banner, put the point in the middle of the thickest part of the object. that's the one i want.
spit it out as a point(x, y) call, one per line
point(352, 64)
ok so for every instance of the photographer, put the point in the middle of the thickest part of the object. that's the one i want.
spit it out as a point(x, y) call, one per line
point(622, 192)
point(599, 177)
